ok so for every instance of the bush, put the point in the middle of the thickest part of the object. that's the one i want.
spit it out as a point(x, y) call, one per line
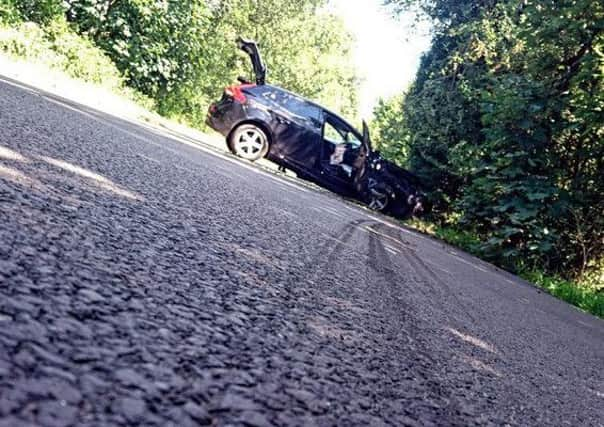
point(38, 11)
point(504, 127)
point(156, 45)
point(56, 46)
point(26, 40)
point(8, 12)
point(79, 57)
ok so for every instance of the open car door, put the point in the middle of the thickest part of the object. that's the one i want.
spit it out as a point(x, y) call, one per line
point(339, 151)
point(251, 48)
point(361, 165)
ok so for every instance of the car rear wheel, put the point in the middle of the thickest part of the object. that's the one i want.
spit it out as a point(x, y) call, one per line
point(249, 142)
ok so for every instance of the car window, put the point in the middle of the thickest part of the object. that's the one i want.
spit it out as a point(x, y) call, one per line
point(300, 107)
point(294, 105)
point(338, 133)
point(306, 110)
point(332, 135)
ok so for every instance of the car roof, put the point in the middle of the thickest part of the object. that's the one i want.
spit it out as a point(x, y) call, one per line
point(313, 104)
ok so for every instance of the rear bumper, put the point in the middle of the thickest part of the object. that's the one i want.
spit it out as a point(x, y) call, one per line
point(216, 120)
point(225, 114)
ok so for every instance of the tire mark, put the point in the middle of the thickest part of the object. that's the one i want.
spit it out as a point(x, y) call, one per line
point(380, 263)
point(429, 277)
point(327, 253)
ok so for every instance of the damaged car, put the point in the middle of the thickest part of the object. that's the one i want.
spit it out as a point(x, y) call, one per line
point(260, 120)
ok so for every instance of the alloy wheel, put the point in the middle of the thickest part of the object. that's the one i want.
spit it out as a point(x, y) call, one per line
point(249, 142)
point(378, 200)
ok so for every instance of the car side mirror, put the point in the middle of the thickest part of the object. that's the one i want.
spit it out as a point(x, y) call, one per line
point(243, 80)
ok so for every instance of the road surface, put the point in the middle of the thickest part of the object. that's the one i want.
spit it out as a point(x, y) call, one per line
point(146, 280)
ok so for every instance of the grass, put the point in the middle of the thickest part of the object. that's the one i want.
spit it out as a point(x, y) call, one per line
point(584, 296)
point(57, 47)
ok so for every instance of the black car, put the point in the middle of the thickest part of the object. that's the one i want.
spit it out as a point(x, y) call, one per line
point(261, 120)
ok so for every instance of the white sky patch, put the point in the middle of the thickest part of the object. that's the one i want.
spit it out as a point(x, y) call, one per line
point(387, 50)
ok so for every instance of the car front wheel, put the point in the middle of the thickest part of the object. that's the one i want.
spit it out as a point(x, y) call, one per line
point(378, 198)
point(249, 142)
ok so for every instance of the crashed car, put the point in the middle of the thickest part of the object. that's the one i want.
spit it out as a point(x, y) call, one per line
point(260, 120)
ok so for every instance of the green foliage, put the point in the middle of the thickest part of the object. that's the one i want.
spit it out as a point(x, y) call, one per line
point(468, 240)
point(583, 297)
point(58, 47)
point(464, 239)
point(388, 129)
point(79, 57)
point(183, 53)
point(157, 45)
point(9, 13)
point(307, 50)
point(26, 40)
point(38, 11)
point(505, 124)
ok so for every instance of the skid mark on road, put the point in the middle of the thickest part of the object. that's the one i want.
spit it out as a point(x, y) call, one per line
point(441, 290)
point(438, 267)
point(327, 253)
point(438, 287)
point(338, 241)
point(394, 302)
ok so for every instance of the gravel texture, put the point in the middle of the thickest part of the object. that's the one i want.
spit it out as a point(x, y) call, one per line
point(145, 281)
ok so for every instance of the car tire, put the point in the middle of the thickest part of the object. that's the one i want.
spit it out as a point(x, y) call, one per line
point(249, 142)
point(378, 198)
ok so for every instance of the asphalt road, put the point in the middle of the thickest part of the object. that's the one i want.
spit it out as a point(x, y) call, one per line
point(148, 281)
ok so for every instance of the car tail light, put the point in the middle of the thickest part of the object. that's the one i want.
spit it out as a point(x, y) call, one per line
point(236, 92)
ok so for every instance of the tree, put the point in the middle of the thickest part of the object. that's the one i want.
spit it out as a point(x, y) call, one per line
point(505, 123)
point(183, 53)
point(307, 50)
point(156, 44)
point(389, 131)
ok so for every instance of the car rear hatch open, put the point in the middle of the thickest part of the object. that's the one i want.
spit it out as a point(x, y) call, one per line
point(251, 48)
